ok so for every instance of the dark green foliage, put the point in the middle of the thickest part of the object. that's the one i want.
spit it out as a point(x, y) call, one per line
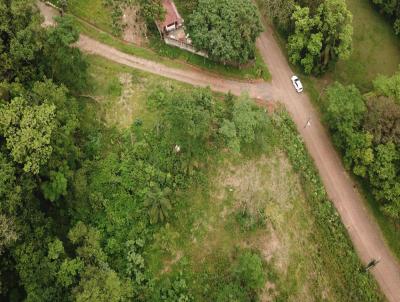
point(320, 37)
point(65, 64)
point(367, 130)
point(391, 9)
point(319, 32)
point(226, 30)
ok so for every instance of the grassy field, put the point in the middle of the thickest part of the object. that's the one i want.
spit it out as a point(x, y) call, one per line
point(255, 200)
point(376, 47)
point(94, 13)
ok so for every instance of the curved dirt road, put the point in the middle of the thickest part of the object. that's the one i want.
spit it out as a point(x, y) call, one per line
point(362, 228)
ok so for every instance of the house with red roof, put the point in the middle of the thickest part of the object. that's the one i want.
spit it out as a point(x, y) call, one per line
point(172, 20)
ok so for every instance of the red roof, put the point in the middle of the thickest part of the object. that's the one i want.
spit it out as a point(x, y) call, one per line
point(171, 14)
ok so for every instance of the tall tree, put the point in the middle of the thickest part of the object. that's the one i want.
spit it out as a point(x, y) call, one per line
point(226, 29)
point(321, 38)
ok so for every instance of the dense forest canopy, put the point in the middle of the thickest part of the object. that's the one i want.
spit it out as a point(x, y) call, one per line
point(86, 208)
point(226, 29)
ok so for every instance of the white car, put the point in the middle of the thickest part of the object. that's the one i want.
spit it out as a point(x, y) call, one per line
point(297, 84)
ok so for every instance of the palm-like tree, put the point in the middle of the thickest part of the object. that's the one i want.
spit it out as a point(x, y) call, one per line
point(158, 203)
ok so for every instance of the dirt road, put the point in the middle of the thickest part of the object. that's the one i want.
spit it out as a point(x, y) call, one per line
point(362, 228)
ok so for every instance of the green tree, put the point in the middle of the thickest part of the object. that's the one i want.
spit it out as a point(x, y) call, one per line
point(280, 12)
point(65, 64)
point(55, 187)
point(226, 29)
point(320, 38)
point(344, 111)
point(229, 135)
point(248, 119)
point(384, 175)
point(382, 119)
point(158, 203)
point(388, 86)
point(101, 285)
point(249, 270)
point(28, 130)
point(21, 41)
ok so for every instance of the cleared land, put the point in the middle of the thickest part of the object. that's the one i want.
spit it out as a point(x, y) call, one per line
point(251, 201)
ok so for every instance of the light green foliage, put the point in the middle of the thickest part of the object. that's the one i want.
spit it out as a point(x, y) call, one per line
point(359, 152)
point(388, 86)
point(228, 132)
point(88, 241)
point(28, 131)
point(69, 271)
point(321, 37)
point(345, 109)
point(249, 270)
point(56, 187)
point(135, 261)
point(247, 119)
point(56, 249)
point(102, 285)
point(172, 289)
point(226, 29)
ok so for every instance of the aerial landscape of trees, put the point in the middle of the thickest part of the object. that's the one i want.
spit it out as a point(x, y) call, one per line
point(199, 196)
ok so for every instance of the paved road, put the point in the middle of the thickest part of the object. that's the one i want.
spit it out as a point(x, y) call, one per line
point(362, 228)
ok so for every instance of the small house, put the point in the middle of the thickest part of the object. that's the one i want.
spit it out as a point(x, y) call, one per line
point(172, 20)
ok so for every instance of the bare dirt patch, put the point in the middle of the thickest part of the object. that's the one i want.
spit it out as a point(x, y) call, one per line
point(134, 26)
point(49, 13)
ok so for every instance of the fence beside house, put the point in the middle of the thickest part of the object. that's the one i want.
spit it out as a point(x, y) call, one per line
point(183, 45)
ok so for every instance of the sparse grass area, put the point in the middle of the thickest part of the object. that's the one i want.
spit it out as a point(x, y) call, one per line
point(120, 93)
point(92, 11)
